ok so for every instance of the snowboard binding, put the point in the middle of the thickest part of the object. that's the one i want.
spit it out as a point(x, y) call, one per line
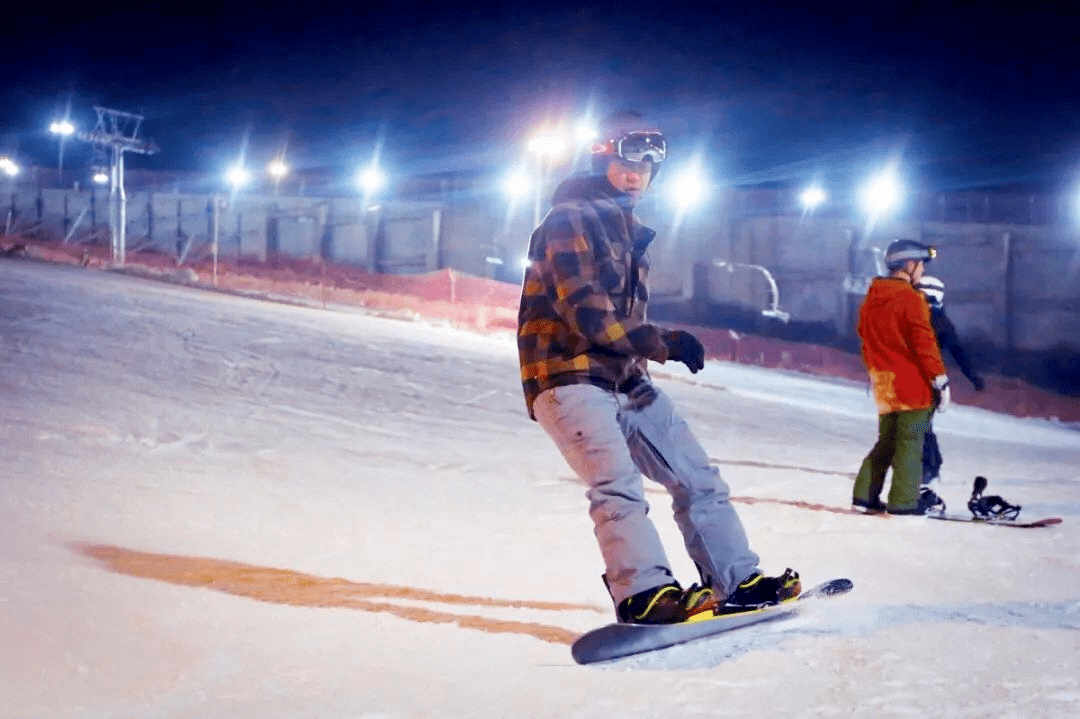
point(992, 507)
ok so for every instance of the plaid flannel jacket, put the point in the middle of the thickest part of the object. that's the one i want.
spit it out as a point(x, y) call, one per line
point(582, 313)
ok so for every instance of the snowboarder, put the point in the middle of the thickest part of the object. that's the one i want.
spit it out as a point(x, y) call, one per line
point(583, 344)
point(933, 290)
point(908, 378)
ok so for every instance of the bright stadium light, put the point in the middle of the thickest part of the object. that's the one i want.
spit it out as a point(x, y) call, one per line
point(371, 179)
point(585, 133)
point(687, 189)
point(63, 128)
point(881, 193)
point(100, 177)
point(277, 169)
point(812, 197)
point(8, 167)
point(547, 146)
point(237, 176)
point(516, 184)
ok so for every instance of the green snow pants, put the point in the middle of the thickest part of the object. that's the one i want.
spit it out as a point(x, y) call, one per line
point(900, 446)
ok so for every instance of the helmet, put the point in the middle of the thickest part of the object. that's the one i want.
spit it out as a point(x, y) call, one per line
point(627, 136)
point(900, 251)
point(933, 288)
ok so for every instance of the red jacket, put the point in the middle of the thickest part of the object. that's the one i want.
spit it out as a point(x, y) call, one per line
point(898, 345)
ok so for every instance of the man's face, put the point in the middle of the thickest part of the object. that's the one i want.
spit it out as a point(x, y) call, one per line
point(630, 177)
point(917, 272)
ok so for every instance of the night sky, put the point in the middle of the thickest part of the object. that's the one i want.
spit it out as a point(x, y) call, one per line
point(966, 95)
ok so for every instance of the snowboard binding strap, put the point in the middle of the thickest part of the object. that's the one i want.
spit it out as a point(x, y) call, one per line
point(992, 507)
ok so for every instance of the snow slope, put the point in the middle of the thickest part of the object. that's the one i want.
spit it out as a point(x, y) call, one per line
point(213, 506)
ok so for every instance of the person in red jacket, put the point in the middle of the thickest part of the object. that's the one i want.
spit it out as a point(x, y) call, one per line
point(903, 359)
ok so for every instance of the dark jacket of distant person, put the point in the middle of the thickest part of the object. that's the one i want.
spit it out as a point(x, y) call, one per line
point(948, 339)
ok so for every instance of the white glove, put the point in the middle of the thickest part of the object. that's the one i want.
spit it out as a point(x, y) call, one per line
point(941, 392)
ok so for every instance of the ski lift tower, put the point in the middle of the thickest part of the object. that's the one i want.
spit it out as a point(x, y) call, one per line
point(119, 132)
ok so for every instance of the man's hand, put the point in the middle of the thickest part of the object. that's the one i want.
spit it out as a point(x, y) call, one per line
point(684, 347)
point(941, 392)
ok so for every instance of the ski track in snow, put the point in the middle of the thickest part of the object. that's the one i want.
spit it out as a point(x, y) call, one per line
point(215, 506)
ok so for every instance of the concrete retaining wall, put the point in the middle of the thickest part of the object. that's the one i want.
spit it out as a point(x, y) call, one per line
point(1013, 288)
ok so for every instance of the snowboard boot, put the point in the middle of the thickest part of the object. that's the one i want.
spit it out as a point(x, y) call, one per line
point(659, 605)
point(930, 502)
point(699, 603)
point(871, 506)
point(757, 590)
point(668, 604)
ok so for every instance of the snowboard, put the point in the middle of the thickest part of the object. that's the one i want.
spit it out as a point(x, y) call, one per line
point(1045, 522)
point(615, 641)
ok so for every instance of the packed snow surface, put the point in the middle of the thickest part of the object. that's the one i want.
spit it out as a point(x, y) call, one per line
point(217, 506)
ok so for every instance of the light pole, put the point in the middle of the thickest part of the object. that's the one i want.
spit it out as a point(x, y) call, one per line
point(277, 169)
point(63, 129)
point(237, 177)
point(10, 169)
point(546, 148)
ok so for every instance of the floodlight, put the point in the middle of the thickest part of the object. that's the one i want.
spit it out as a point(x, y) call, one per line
point(62, 128)
point(237, 176)
point(277, 169)
point(687, 189)
point(585, 133)
point(881, 193)
point(8, 167)
point(812, 197)
point(550, 146)
point(516, 184)
point(372, 179)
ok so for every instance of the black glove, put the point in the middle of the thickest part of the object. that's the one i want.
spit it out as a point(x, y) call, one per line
point(980, 385)
point(684, 347)
point(640, 394)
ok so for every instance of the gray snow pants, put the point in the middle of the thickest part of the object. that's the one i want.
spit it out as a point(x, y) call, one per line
point(610, 446)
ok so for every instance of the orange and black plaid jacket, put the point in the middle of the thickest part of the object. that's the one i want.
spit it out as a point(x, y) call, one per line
point(582, 313)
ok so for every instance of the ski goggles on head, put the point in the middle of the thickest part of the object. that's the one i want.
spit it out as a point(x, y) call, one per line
point(641, 146)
